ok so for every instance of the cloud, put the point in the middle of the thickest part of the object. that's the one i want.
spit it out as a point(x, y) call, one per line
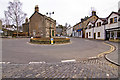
point(70, 11)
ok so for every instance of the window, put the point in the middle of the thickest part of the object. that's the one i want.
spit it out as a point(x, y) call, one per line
point(112, 34)
point(118, 34)
point(98, 24)
point(98, 34)
point(111, 20)
point(115, 19)
point(89, 33)
point(89, 26)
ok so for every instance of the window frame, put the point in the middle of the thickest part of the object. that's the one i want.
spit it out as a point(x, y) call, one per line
point(98, 34)
point(115, 19)
point(89, 33)
point(111, 20)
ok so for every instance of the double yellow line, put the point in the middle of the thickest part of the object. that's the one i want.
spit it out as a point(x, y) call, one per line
point(112, 48)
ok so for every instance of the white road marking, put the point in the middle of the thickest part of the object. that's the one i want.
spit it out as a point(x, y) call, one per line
point(4, 62)
point(92, 57)
point(36, 62)
point(72, 60)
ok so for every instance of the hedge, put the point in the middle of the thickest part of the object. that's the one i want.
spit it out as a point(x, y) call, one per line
point(47, 40)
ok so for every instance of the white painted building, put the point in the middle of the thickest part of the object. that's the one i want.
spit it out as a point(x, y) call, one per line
point(104, 28)
point(112, 28)
point(89, 32)
point(99, 29)
point(69, 31)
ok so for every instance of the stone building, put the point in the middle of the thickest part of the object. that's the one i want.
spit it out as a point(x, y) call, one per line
point(26, 27)
point(79, 28)
point(41, 25)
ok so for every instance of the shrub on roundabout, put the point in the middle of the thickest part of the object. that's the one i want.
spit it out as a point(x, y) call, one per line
point(56, 40)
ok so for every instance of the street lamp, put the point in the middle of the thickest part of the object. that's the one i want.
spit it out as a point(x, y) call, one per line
point(50, 13)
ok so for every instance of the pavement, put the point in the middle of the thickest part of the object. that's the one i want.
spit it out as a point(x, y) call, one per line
point(114, 56)
point(94, 68)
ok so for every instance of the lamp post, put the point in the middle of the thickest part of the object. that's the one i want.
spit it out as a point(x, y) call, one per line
point(50, 13)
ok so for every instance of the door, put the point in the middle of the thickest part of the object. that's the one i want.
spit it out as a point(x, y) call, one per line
point(86, 35)
point(53, 33)
point(107, 35)
point(94, 35)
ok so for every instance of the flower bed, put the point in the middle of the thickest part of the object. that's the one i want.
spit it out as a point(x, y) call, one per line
point(47, 40)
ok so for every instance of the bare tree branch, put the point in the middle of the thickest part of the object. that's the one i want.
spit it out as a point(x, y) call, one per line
point(14, 14)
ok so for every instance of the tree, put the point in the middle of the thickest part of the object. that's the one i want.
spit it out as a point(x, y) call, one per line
point(14, 15)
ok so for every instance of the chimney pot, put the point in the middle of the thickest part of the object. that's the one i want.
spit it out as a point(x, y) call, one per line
point(93, 13)
point(37, 8)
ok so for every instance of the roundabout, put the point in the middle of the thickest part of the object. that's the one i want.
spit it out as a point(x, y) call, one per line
point(55, 40)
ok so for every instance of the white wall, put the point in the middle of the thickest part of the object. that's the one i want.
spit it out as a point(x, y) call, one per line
point(100, 29)
point(113, 25)
point(87, 31)
point(69, 31)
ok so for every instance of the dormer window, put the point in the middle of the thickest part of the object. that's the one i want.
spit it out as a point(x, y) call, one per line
point(115, 19)
point(111, 20)
point(89, 26)
point(98, 24)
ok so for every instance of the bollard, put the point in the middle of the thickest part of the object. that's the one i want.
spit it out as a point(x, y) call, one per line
point(31, 37)
point(51, 40)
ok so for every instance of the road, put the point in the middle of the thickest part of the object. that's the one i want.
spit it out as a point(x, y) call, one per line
point(21, 51)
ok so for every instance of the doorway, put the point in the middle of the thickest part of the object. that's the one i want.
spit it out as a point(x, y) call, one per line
point(94, 35)
point(107, 35)
point(86, 35)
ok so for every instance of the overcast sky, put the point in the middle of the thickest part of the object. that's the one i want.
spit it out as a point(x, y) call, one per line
point(70, 11)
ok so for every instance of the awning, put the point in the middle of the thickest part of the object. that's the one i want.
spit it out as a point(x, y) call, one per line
point(79, 30)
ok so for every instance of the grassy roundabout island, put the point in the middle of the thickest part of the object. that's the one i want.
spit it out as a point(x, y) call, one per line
point(56, 40)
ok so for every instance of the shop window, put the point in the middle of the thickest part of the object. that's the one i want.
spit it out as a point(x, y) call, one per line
point(118, 34)
point(111, 20)
point(98, 34)
point(89, 33)
point(115, 19)
point(112, 34)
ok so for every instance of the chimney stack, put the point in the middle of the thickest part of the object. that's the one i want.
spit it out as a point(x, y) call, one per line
point(26, 20)
point(93, 13)
point(82, 19)
point(36, 8)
